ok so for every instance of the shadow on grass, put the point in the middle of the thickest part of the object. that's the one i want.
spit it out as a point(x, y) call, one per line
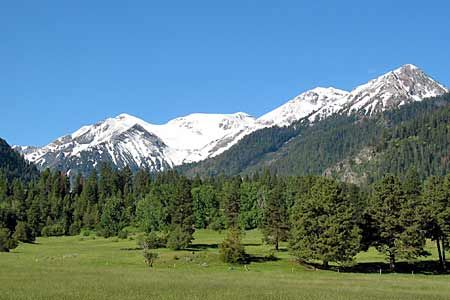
point(131, 249)
point(419, 267)
point(251, 244)
point(200, 247)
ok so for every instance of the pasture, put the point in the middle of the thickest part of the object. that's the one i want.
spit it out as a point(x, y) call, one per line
point(91, 267)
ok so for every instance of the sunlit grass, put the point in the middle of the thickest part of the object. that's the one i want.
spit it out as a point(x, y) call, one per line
point(97, 268)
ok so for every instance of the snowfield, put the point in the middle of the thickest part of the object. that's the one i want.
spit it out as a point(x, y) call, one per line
point(129, 141)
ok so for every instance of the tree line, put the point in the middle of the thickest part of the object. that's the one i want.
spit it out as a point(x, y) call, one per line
point(320, 218)
point(413, 136)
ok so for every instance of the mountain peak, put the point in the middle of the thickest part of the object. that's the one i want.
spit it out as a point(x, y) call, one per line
point(400, 86)
point(407, 67)
point(124, 116)
point(128, 140)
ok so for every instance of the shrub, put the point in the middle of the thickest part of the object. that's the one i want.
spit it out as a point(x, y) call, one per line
point(231, 250)
point(217, 224)
point(151, 241)
point(123, 234)
point(53, 230)
point(178, 239)
point(7, 242)
point(74, 229)
point(23, 233)
point(150, 257)
point(85, 232)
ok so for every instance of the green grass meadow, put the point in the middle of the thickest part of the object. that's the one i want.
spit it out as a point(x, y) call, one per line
point(92, 267)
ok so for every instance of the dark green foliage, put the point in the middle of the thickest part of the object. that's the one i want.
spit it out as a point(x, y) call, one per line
point(23, 233)
point(7, 241)
point(416, 135)
point(53, 230)
point(249, 151)
point(178, 238)
point(436, 199)
point(399, 233)
point(328, 220)
point(231, 249)
point(218, 223)
point(324, 226)
point(252, 195)
point(123, 234)
point(275, 221)
point(231, 201)
point(13, 166)
point(181, 215)
point(206, 204)
point(112, 220)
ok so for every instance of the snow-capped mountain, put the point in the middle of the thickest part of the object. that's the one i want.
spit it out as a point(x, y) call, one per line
point(403, 85)
point(391, 90)
point(302, 106)
point(129, 141)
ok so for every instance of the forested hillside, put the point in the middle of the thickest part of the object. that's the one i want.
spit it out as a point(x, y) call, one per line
point(348, 147)
point(12, 164)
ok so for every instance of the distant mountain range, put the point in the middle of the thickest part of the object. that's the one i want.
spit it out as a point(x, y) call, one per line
point(128, 141)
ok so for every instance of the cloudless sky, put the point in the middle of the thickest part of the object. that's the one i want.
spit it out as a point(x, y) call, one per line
point(64, 64)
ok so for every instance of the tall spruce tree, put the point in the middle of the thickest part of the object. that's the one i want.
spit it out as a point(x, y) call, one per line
point(435, 201)
point(275, 223)
point(181, 213)
point(399, 234)
point(323, 225)
point(231, 201)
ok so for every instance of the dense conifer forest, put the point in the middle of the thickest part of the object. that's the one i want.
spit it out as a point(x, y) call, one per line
point(415, 135)
point(321, 218)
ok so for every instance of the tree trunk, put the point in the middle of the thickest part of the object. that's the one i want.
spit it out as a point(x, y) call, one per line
point(438, 244)
point(276, 244)
point(392, 262)
point(444, 262)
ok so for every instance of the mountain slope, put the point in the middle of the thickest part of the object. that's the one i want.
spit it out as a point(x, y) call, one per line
point(129, 141)
point(342, 139)
point(12, 164)
point(302, 106)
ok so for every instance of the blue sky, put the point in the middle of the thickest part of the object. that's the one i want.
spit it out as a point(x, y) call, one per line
point(64, 64)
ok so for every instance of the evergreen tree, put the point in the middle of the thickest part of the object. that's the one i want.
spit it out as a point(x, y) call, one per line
point(111, 221)
point(275, 224)
point(181, 212)
point(231, 201)
point(23, 233)
point(398, 235)
point(231, 249)
point(7, 241)
point(323, 225)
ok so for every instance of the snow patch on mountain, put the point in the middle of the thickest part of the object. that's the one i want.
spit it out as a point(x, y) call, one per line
point(302, 106)
point(129, 141)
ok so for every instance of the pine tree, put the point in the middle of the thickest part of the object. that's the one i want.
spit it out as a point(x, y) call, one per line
point(398, 234)
point(181, 212)
point(275, 224)
point(231, 201)
point(324, 226)
point(111, 221)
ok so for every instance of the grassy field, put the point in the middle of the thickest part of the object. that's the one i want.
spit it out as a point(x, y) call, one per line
point(97, 268)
